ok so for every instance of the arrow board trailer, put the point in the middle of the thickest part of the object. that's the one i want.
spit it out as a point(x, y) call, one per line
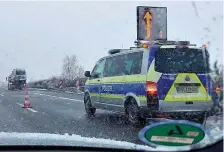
point(17, 79)
point(151, 23)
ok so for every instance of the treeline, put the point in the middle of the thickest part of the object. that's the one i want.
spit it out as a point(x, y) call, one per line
point(72, 72)
point(54, 83)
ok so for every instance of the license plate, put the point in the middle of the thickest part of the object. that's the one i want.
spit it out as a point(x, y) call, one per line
point(187, 89)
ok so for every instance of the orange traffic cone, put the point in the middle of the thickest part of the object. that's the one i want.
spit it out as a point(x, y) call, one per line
point(27, 99)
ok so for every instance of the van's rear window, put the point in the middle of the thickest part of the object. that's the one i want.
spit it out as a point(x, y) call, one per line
point(181, 60)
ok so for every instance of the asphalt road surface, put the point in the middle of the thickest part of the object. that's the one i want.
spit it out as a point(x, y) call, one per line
point(60, 113)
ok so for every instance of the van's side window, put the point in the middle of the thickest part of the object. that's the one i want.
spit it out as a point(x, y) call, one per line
point(127, 64)
point(111, 66)
point(133, 63)
point(98, 69)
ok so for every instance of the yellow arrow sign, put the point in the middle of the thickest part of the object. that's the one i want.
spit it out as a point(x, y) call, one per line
point(148, 22)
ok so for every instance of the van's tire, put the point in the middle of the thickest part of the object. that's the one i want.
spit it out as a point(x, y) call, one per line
point(90, 110)
point(132, 113)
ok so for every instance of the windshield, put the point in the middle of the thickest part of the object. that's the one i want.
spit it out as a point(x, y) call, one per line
point(132, 75)
point(20, 72)
point(184, 60)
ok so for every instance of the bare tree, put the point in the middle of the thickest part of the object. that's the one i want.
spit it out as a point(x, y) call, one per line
point(71, 68)
point(80, 71)
point(66, 68)
point(74, 67)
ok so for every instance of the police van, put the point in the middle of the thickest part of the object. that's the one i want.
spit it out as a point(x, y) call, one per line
point(157, 79)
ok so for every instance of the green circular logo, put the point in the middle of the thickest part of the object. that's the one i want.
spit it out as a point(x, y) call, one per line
point(172, 133)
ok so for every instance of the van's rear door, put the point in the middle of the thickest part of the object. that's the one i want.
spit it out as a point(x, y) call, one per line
point(185, 82)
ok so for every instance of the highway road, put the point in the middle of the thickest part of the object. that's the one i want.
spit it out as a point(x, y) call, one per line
point(61, 112)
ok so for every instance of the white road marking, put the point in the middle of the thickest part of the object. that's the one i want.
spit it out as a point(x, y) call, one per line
point(80, 93)
point(30, 109)
point(76, 100)
point(69, 92)
point(2, 95)
point(42, 89)
point(19, 104)
point(70, 99)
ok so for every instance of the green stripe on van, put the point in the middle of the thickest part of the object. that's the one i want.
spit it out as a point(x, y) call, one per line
point(116, 96)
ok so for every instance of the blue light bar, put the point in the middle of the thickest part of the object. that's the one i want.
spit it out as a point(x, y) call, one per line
point(114, 51)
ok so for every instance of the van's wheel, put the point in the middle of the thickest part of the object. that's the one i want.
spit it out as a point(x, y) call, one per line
point(90, 110)
point(132, 112)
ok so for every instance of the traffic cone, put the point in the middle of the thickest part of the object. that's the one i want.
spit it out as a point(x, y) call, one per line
point(27, 99)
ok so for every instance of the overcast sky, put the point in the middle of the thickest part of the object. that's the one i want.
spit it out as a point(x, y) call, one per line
point(37, 35)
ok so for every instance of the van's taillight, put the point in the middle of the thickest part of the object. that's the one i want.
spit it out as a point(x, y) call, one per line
point(152, 95)
point(151, 88)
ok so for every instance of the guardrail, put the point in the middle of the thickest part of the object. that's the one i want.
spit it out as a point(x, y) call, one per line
point(67, 89)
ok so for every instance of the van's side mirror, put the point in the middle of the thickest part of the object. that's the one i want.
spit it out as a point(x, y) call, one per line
point(6, 78)
point(87, 74)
